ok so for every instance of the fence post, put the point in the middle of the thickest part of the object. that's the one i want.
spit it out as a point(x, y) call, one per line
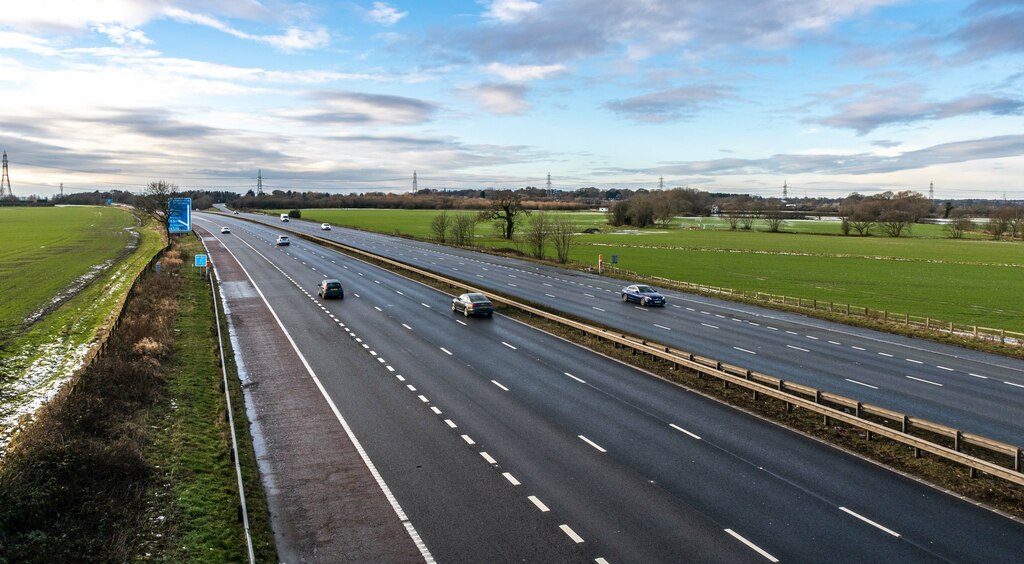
point(956, 441)
point(1002, 335)
point(927, 322)
point(975, 331)
point(906, 424)
point(782, 388)
point(885, 315)
point(1017, 460)
point(847, 309)
point(830, 307)
point(906, 319)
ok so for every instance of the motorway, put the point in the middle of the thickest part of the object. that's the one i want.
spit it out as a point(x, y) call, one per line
point(503, 443)
point(968, 390)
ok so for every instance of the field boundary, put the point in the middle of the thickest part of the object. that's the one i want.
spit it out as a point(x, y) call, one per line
point(873, 420)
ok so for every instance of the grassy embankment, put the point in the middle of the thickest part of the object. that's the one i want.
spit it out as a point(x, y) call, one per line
point(970, 281)
point(53, 252)
point(131, 461)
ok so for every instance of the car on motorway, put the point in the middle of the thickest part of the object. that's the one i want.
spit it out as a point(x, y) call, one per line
point(225, 229)
point(284, 217)
point(330, 288)
point(325, 226)
point(283, 241)
point(236, 212)
point(473, 303)
point(643, 295)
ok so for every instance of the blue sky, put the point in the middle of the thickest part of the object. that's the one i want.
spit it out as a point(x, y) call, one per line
point(831, 97)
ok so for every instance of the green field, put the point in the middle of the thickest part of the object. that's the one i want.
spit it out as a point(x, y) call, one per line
point(974, 281)
point(48, 251)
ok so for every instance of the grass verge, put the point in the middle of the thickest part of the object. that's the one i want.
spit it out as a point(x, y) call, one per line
point(83, 481)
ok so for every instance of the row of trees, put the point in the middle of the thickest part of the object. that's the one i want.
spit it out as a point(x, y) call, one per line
point(892, 212)
point(649, 208)
point(506, 211)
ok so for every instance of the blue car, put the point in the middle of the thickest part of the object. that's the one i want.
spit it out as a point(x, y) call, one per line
point(643, 295)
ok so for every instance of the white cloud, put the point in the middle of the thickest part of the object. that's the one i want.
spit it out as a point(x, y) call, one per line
point(524, 73)
point(294, 39)
point(384, 14)
point(122, 34)
point(25, 42)
point(510, 10)
point(501, 98)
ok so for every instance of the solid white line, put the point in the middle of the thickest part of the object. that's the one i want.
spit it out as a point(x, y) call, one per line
point(540, 504)
point(591, 443)
point(914, 361)
point(709, 325)
point(446, 351)
point(744, 350)
point(977, 375)
point(512, 479)
point(1015, 385)
point(797, 348)
point(862, 384)
point(572, 534)
point(943, 368)
point(468, 440)
point(409, 528)
point(870, 522)
point(756, 548)
point(488, 458)
point(495, 382)
point(509, 346)
point(580, 380)
point(450, 423)
point(663, 327)
point(678, 428)
point(925, 381)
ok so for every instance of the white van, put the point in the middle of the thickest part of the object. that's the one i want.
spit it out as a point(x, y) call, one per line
point(284, 217)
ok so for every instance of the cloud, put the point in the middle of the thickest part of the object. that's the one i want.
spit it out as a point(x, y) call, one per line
point(25, 42)
point(992, 28)
point(856, 164)
point(498, 98)
point(524, 73)
point(902, 105)
point(293, 39)
point(886, 143)
point(384, 14)
point(557, 30)
point(669, 105)
point(364, 108)
point(122, 34)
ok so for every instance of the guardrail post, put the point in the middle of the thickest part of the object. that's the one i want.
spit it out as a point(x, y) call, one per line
point(973, 472)
point(906, 424)
point(718, 365)
point(782, 388)
point(1017, 460)
point(917, 452)
point(860, 413)
point(956, 440)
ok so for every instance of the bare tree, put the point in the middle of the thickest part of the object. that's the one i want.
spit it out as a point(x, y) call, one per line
point(733, 219)
point(439, 226)
point(957, 226)
point(894, 222)
point(505, 209)
point(463, 228)
point(154, 201)
point(536, 234)
point(775, 220)
point(563, 235)
point(747, 220)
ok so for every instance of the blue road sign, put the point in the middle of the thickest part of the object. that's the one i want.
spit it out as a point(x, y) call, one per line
point(200, 260)
point(110, 201)
point(615, 259)
point(179, 220)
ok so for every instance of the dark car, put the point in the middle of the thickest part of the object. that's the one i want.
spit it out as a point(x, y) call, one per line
point(473, 304)
point(643, 295)
point(330, 288)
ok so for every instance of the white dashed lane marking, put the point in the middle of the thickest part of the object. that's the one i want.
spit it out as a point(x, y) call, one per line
point(925, 381)
point(540, 504)
point(592, 443)
point(797, 348)
point(862, 384)
point(680, 429)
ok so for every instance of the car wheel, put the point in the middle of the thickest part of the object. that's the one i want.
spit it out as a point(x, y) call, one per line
point(465, 311)
point(643, 301)
point(453, 307)
point(625, 298)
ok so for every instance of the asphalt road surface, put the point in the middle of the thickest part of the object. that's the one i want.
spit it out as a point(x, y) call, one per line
point(503, 443)
point(968, 390)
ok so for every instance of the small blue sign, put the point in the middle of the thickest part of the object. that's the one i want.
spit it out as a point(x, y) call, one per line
point(179, 217)
point(110, 201)
point(200, 260)
point(615, 259)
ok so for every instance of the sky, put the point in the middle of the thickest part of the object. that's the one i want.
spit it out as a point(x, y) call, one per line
point(828, 97)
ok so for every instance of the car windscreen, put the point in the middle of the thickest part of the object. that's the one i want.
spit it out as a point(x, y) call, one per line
point(479, 299)
point(333, 285)
point(645, 289)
